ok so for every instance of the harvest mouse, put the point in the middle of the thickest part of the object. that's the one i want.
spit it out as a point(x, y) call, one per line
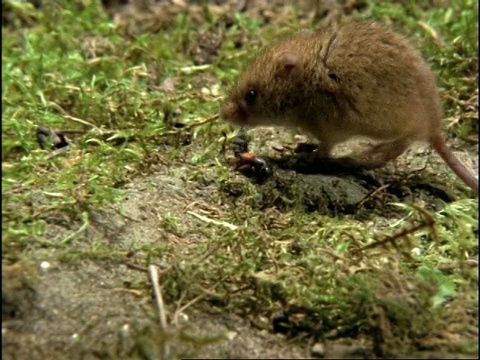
point(361, 79)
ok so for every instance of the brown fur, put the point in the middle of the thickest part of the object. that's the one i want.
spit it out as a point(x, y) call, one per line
point(361, 79)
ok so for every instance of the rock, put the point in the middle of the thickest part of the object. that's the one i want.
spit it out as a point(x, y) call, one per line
point(317, 350)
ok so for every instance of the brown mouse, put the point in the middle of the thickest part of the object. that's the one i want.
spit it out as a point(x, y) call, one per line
point(361, 79)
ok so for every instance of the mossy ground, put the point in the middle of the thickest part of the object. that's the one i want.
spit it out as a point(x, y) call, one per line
point(370, 263)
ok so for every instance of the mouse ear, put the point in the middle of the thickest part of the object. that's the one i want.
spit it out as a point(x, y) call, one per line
point(288, 64)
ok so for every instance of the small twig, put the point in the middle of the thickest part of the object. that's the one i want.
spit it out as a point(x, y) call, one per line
point(430, 31)
point(135, 267)
point(239, 290)
point(189, 126)
point(84, 122)
point(103, 59)
point(79, 231)
point(202, 121)
point(372, 194)
point(334, 255)
point(137, 293)
point(203, 204)
point(192, 69)
point(58, 152)
point(456, 265)
point(153, 273)
point(428, 221)
point(186, 306)
point(213, 221)
point(119, 212)
point(391, 239)
point(69, 117)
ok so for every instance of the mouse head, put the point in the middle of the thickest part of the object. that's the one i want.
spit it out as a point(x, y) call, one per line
point(266, 90)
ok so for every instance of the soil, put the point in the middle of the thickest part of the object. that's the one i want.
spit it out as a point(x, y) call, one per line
point(98, 309)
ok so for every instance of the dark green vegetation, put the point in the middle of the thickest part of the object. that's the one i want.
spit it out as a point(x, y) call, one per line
point(316, 257)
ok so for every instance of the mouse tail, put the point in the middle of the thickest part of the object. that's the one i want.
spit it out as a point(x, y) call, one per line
point(453, 162)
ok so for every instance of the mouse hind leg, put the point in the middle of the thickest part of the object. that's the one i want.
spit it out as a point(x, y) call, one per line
point(384, 152)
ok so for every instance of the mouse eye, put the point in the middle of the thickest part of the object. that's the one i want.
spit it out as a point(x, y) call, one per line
point(251, 97)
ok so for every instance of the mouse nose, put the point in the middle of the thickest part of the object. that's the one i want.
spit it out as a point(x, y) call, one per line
point(234, 113)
